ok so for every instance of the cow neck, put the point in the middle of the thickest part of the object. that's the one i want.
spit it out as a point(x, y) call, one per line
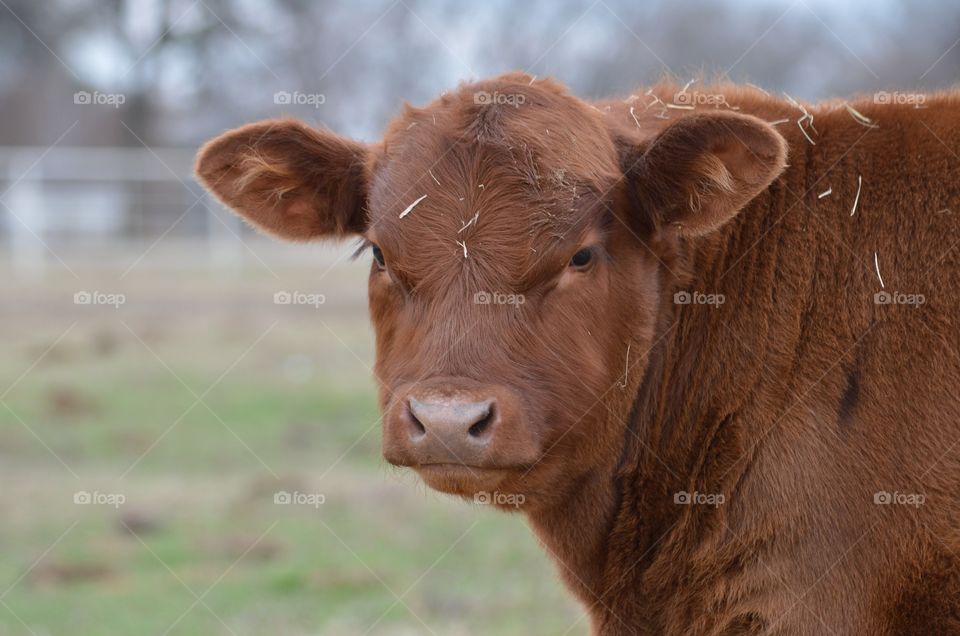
point(684, 434)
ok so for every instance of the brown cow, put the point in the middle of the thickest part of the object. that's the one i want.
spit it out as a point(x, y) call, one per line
point(705, 339)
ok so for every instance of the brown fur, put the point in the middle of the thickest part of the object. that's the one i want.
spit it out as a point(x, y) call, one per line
point(797, 399)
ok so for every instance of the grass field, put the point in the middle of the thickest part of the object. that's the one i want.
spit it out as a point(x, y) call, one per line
point(195, 403)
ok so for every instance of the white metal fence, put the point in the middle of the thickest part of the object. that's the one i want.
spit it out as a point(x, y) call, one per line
point(100, 199)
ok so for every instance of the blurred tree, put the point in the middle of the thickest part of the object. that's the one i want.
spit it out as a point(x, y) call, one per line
point(188, 68)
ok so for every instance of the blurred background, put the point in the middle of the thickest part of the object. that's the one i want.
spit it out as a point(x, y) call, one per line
point(189, 442)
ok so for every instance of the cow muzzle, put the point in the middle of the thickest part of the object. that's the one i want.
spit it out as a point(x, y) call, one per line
point(458, 434)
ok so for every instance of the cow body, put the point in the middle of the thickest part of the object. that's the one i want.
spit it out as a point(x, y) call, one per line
point(806, 400)
point(728, 394)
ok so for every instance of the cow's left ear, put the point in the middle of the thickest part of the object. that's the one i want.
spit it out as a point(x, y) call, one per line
point(699, 171)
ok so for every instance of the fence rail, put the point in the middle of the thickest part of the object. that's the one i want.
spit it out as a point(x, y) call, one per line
point(98, 196)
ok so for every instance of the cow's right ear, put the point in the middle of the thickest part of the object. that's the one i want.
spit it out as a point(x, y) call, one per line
point(288, 179)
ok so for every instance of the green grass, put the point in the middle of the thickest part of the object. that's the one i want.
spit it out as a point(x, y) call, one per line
point(286, 406)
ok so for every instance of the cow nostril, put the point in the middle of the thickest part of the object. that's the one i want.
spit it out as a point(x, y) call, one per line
point(478, 427)
point(417, 428)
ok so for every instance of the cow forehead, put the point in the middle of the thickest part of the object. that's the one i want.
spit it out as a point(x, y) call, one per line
point(491, 210)
point(489, 187)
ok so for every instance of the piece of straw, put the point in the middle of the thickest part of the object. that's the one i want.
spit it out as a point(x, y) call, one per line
point(411, 206)
point(860, 118)
point(470, 222)
point(856, 199)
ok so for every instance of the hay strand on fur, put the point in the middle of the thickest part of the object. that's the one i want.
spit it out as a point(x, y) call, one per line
point(856, 199)
point(860, 118)
point(411, 206)
point(470, 222)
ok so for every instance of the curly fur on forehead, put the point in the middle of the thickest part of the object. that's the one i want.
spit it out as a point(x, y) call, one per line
point(509, 169)
point(539, 121)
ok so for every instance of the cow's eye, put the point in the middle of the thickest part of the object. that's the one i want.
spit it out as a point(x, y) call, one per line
point(582, 258)
point(378, 256)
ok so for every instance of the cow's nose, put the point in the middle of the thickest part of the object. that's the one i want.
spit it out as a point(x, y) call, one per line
point(451, 421)
point(459, 421)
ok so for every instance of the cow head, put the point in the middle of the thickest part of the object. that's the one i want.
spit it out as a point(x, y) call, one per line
point(516, 239)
